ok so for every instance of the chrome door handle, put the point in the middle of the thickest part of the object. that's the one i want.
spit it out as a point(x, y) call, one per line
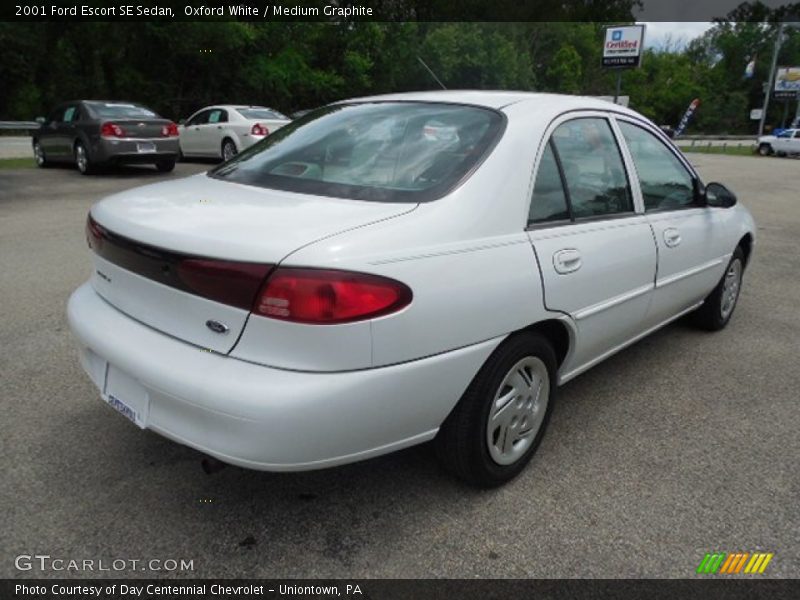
point(672, 237)
point(567, 261)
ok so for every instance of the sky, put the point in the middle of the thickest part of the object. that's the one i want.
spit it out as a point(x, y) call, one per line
point(659, 33)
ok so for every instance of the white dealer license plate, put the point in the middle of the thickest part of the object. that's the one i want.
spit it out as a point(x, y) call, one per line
point(145, 147)
point(127, 396)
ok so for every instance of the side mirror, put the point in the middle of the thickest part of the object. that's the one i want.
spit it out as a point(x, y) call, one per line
point(718, 196)
point(182, 122)
point(40, 120)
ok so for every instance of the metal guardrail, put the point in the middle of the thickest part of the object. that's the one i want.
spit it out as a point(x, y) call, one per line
point(19, 125)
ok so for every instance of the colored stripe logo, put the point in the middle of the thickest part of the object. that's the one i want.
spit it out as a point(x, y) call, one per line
point(734, 563)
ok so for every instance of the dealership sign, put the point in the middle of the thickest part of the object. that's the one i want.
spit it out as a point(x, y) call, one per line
point(787, 82)
point(623, 46)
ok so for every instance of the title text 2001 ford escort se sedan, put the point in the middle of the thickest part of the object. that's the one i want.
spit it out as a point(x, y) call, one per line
point(390, 270)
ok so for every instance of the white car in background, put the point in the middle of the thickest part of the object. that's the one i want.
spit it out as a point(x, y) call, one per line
point(224, 130)
point(401, 269)
point(786, 143)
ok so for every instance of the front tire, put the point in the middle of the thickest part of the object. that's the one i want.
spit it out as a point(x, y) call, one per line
point(495, 429)
point(765, 150)
point(717, 310)
point(82, 160)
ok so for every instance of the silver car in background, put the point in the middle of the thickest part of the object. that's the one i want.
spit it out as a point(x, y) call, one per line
point(94, 133)
point(222, 131)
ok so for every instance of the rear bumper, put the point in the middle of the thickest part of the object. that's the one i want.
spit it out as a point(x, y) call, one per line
point(127, 151)
point(265, 418)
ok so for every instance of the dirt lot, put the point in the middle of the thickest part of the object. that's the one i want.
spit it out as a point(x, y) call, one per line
point(683, 444)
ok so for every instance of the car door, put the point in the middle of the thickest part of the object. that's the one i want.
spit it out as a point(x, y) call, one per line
point(782, 141)
point(211, 133)
point(191, 133)
point(691, 250)
point(793, 143)
point(594, 246)
point(66, 132)
point(49, 134)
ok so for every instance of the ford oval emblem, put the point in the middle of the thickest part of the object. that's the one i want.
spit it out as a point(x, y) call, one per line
point(216, 326)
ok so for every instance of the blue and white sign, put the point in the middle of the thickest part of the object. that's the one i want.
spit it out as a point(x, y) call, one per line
point(623, 46)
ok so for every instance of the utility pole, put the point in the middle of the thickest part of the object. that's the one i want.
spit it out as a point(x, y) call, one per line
point(771, 80)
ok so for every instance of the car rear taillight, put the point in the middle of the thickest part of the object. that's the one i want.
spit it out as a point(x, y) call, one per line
point(319, 296)
point(170, 130)
point(111, 130)
point(229, 282)
point(94, 233)
point(259, 129)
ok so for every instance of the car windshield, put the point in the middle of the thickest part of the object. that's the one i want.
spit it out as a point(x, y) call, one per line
point(382, 151)
point(261, 113)
point(119, 110)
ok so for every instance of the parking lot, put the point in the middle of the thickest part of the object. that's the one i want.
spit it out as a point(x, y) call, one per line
point(683, 444)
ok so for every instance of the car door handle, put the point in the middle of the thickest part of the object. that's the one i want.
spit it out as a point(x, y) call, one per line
point(219, 126)
point(672, 237)
point(567, 261)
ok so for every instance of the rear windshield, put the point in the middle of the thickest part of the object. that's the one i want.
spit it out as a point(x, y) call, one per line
point(114, 110)
point(384, 151)
point(261, 113)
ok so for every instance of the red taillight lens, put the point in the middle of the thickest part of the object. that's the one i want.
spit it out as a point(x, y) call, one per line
point(170, 130)
point(233, 283)
point(259, 129)
point(94, 233)
point(320, 296)
point(111, 130)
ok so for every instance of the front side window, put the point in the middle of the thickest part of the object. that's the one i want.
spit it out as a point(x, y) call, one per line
point(381, 151)
point(593, 169)
point(549, 203)
point(665, 183)
point(200, 118)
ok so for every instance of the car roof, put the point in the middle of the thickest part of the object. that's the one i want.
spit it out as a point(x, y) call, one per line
point(499, 100)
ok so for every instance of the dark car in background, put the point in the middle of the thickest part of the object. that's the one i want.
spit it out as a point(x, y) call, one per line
point(93, 133)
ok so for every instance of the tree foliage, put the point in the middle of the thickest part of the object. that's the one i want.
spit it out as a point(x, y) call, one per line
point(178, 67)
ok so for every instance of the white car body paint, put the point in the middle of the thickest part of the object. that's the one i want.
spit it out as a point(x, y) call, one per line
point(205, 139)
point(277, 395)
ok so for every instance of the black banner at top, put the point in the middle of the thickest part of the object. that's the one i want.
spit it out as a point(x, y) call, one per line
point(387, 10)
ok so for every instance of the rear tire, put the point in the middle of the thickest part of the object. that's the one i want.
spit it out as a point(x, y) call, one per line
point(82, 160)
point(228, 149)
point(765, 150)
point(39, 155)
point(717, 310)
point(494, 430)
point(165, 166)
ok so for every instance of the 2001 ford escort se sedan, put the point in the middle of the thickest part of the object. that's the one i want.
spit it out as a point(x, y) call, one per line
point(392, 270)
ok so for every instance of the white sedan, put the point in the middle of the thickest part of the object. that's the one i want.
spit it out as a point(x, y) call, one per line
point(225, 130)
point(398, 269)
point(786, 143)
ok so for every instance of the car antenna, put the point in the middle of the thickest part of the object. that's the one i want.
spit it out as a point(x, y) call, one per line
point(427, 68)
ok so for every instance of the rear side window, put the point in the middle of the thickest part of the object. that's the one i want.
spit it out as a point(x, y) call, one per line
point(549, 202)
point(593, 169)
point(218, 116)
point(382, 151)
point(70, 114)
point(665, 183)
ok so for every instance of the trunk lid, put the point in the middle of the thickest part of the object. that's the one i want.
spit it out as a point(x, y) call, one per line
point(154, 230)
point(141, 128)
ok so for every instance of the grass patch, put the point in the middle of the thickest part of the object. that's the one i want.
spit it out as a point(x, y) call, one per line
point(17, 163)
point(730, 150)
